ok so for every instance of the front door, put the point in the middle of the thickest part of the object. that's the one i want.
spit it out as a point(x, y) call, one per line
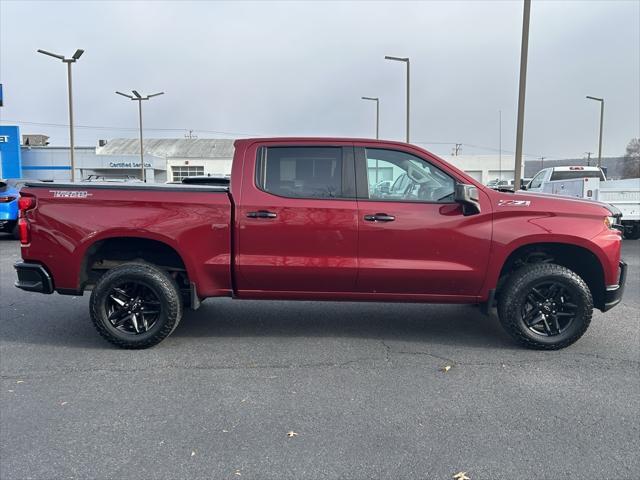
point(413, 237)
point(297, 220)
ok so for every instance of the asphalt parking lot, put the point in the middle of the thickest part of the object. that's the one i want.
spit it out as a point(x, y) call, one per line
point(361, 384)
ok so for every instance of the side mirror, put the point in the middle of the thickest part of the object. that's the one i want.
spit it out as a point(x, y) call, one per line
point(469, 197)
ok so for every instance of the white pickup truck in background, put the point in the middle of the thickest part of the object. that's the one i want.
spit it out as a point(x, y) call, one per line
point(591, 183)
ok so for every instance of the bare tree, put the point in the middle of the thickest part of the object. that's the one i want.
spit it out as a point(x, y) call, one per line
point(631, 168)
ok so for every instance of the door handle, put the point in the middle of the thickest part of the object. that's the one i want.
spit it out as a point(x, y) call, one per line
point(379, 217)
point(262, 214)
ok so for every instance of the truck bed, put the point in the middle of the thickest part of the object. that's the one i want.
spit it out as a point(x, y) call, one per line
point(73, 222)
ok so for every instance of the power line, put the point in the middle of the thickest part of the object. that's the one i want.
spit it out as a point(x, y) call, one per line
point(105, 127)
point(245, 134)
point(482, 147)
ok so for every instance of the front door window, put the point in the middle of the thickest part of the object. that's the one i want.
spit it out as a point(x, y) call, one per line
point(395, 176)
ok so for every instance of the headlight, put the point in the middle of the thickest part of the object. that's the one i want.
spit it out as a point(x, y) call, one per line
point(612, 222)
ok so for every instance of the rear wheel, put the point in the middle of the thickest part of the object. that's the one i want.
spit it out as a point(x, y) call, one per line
point(135, 305)
point(15, 233)
point(545, 306)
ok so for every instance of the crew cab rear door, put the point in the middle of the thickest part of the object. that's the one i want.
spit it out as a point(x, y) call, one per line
point(413, 237)
point(296, 219)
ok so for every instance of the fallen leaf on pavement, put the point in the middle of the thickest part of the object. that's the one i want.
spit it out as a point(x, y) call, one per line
point(446, 368)
point(461, 476)
point(237, 472)
point(62, 404)
point(291, 434)
point(20, 381)
point(193, 453)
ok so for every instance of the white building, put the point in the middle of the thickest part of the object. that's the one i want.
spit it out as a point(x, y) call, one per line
point(485, 168)
point(165, 159)
point(181, 157)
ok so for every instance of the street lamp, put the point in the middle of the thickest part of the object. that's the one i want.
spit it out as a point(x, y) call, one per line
point(74, 58)
point(405, 60)
point(139, 98)
point(377, 100)
point(601, 100)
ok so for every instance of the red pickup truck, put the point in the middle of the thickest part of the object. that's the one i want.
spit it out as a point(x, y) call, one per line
point(322, 219)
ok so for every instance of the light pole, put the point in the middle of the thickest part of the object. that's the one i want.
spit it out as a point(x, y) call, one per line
point(500, 143)
point(377, 100)
point(139, 98)
point(405, 60)
point(601, 100)
point(74, 58)
point(524, 49)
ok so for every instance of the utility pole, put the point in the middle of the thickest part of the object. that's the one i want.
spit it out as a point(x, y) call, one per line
point(601, 100)
point(190, 135)
point(524, 49)
point(542, 162)
point(139, 98)
point(588, 158)
point(456, 149)
point(405, 60)
point(74, 58)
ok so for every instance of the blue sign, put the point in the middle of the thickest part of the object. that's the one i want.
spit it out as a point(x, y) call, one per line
point(10, 160)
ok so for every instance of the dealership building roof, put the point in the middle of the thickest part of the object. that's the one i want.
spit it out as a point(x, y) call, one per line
point(170, 147)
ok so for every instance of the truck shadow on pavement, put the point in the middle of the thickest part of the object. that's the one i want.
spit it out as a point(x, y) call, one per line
point(462, 325)
point(67, 322)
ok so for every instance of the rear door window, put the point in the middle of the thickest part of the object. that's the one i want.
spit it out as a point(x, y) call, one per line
point(301, 172)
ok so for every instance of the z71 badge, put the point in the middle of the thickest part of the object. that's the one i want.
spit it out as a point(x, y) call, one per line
point(71, 193)
point(514, 203)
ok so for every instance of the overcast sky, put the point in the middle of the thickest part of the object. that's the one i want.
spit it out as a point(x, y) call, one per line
point(300, 68)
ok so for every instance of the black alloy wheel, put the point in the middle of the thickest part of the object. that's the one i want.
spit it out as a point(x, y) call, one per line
point(548, 309)
point(133, 308)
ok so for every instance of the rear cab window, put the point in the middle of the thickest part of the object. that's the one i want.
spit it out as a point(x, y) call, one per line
point(571, 174)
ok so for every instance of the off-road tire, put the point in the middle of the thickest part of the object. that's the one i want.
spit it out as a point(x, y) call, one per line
point(514, 293)
point(633, 233)
point(15, 232)
point(166, 290)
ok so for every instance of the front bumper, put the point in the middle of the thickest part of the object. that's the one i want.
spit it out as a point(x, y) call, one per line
point(613, 293)
point(33, 277)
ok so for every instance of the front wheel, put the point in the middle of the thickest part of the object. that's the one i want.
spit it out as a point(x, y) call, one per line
point(135, 305)
point(633, 233)
point(545, 306)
